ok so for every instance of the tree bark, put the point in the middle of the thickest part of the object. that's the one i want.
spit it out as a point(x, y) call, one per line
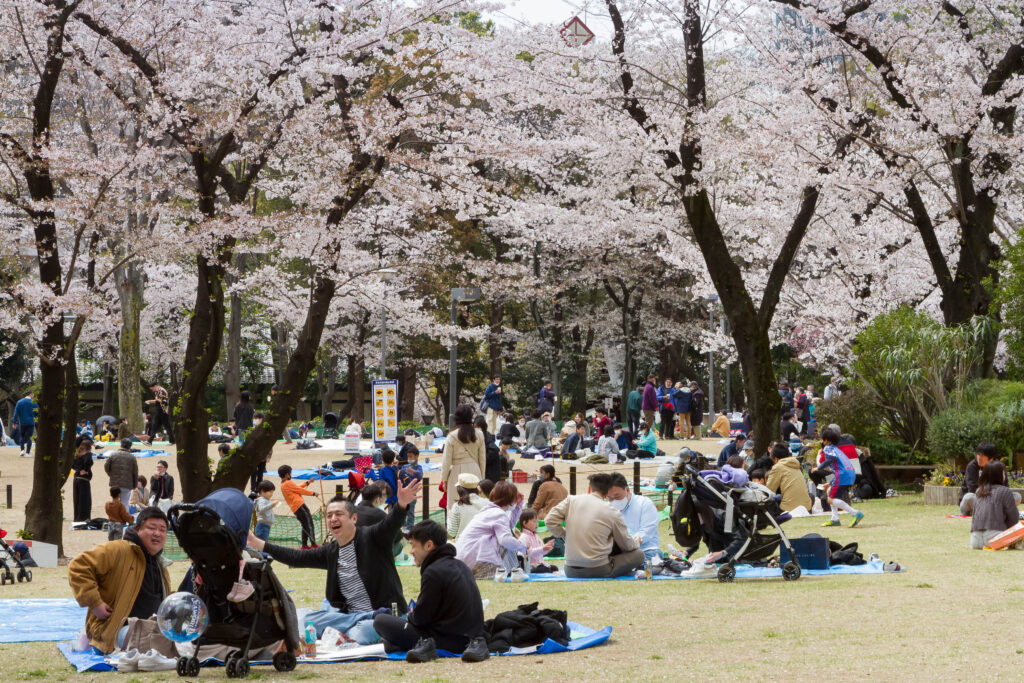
point(233, 343)
point(108, 388)
point(130, 286)
point(326, 380)
point(407, 390)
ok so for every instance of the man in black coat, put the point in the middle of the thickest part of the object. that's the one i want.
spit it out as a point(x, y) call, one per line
point(448, 613)
point(361, 574)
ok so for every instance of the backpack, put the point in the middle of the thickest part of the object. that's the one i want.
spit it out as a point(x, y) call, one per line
point(787, 401)
point(685, 523)
point(482, 408)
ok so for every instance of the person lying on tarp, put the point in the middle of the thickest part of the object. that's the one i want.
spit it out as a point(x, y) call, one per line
point(360, 565)
point(121, 579)
point(447, 614)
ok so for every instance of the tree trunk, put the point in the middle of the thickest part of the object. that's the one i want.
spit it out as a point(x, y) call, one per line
point(326, 380)
point(108, 388)
point(130, 287)
point(356, 388)
point(279, 352)
point(43, 513)
point(234, 470)
point(407, 391)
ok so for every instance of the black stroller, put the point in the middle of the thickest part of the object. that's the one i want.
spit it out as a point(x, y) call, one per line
point(6, 576)
point(732, 519)
point(330, 425)
point(212, 533)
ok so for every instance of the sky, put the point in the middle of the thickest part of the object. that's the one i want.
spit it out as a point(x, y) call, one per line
point(593, 13)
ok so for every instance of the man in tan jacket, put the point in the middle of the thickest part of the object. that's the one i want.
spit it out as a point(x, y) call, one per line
point(121, 579)
point(787, 478)
point(597, 542)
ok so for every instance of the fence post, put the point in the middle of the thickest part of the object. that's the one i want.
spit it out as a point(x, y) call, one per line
point(636, 477)
point(10, 496)
point(572, 481)
point(669, 499)
point(339, 489)
point(426, 497)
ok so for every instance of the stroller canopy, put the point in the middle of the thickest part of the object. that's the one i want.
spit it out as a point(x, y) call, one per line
point(234, 509)
point(331, 421)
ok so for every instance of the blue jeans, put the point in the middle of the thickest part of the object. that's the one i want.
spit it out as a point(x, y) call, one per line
point(410, 517)
point(25, 437)
point(357, 625)
point(262, 531)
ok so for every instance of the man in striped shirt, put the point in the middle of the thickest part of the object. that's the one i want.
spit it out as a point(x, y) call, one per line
point(361, 574)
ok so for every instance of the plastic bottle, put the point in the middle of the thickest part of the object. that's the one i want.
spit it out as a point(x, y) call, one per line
point(310, 643)
point(394, 609)
point(648, 571)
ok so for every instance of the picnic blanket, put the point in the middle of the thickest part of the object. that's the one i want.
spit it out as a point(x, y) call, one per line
point(582, 637)
point(26, 620)
point(313, 473)
point(150, 453)
point(743, 571)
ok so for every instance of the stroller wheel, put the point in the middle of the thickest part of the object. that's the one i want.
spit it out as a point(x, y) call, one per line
point(284, 661)
point(726, 573)
point(182, 667)
point(193, 666)
point(230, 666)
point(241, 668)
point(28, 575)
point(791, 571)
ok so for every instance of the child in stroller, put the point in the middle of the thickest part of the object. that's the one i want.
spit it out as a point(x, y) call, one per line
point(248, 607)
point(732, 518)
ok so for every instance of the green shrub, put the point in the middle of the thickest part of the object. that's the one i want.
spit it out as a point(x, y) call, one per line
point(956, 432)
point(855, 411)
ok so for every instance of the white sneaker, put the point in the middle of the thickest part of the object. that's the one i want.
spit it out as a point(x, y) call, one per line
point(26, 455)
point(518, 576)
point(154, 661)
point(128, 661)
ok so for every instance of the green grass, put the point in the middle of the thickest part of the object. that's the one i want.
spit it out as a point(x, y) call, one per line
point(924, 623)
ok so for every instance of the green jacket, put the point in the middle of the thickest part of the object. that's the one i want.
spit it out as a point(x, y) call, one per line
point(634, 401)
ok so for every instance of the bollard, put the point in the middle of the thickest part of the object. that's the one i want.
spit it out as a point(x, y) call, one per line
point(10, 496)
point(636, 477)
point(669, 499)
point(426, 498)
point(572, 481)
point(339, 489)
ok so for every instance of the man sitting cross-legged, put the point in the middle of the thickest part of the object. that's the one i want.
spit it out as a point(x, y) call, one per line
point(448, 612)
point(360, 565)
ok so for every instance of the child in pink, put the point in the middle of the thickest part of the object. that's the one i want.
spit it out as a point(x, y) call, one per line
point(535, 547)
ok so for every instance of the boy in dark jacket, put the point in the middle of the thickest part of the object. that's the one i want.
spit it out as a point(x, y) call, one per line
point(361, 574)
point(448, 613)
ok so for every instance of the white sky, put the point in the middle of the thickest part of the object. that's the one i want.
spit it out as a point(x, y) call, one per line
point(593, 13)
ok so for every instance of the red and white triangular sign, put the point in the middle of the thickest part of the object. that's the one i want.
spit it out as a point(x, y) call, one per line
point(575, 33)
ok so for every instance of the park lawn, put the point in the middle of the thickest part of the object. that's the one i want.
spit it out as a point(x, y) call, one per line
point(954, 612)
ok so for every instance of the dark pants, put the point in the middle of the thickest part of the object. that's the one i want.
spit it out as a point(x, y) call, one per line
point(397, 633)
point(257, 475)
point(633, 417)
point(668, 424)
point(160, 419)
point(81, 495)
point(25, 437)
point(306, 521)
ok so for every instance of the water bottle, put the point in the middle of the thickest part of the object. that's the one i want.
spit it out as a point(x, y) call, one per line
point(394, 609)
point(310, 643)
point(648, 570)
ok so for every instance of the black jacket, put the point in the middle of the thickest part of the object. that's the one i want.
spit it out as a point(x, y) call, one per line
point(374, 560)
point(449, 608)
point(492, 463)
point(509, 430)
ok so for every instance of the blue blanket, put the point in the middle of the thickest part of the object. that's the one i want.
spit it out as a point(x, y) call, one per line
point(582, 638)
point(312, 473)
point(30, 620)
point(743, 571)
point(137, 453)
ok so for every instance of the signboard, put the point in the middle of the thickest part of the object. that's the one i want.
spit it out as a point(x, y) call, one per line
point(575, 33)
point(385, 410)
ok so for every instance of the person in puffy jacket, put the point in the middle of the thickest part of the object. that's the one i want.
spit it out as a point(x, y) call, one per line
point(123, 470)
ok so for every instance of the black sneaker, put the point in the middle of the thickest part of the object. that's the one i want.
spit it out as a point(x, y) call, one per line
point(476, 651)
point(423, 652)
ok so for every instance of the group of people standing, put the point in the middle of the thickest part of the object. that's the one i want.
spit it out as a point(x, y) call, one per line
point(683, 401)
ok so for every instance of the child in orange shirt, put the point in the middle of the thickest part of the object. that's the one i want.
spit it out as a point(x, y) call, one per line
point(293, 494)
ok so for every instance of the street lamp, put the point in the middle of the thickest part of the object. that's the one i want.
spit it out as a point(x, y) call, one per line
point(387, 274)
point(460, 295)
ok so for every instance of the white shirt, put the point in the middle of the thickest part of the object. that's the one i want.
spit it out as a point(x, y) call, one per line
point(642, 519)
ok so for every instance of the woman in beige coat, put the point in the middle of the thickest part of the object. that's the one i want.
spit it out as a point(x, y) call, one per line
point(463, 452)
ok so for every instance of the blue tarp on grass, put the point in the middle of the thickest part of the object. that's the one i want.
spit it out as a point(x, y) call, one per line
point(743, 571)
point(30, 620)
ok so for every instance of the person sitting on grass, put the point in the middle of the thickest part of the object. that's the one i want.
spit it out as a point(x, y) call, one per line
point(985, 453)
point(593, 532)
point(117, 514)
point(487, 545)
point(535, 548)
point(995, 506)
point(786, 477)
point(843, 477)
point(447, 614)
point(121, 579)
point(646, 442)
point(734, 447)
point(550, 492)
point(360, 566)
point(639, 513)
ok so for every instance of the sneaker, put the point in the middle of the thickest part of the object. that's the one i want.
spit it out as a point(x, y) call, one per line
point(240, 591)
point(832, 522)
point(519, 576)
point(856, 519)
point(423, 652)
point(873, 557)
point(154, 661)
point(500, 575)
point(476, 651)
point(128, 661)
point(891, 567)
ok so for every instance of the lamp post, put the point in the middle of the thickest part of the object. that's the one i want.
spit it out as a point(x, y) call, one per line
point(464, 295)
point(387, 274)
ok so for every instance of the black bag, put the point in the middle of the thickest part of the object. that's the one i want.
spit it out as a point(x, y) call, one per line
point(685, 522)
point(306, 444)
point(845, 554)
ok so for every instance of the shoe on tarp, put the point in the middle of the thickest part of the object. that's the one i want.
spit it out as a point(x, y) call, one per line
point(424, 651)
point(476, 651)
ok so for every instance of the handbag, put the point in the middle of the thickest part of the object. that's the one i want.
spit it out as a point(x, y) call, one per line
point(144, 635)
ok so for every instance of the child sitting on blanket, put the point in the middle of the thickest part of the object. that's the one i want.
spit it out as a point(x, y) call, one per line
point(535, 547)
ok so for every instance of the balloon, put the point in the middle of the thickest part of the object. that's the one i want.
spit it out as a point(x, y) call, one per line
point(182, 617)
